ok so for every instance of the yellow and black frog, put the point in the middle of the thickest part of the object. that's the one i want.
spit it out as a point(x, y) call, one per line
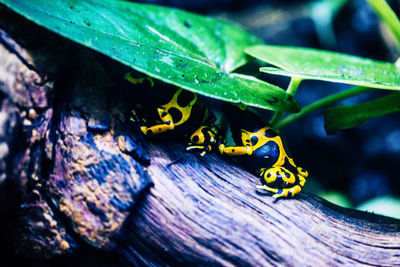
point(262, 151)
point(182, 113)
point(178, 111)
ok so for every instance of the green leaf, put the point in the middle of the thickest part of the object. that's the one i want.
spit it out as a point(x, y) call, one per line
point(190, 51)
point(344, 117)
point(315, 64)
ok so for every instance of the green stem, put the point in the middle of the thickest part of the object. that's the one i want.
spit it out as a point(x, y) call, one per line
point(321, 103)
point(386, 14)
point(292, 88)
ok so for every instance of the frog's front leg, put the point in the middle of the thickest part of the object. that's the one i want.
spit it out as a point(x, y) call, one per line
point(204, 139)
point(167, 125)
point(235, 150)
point(246, 149)
point(203, 148)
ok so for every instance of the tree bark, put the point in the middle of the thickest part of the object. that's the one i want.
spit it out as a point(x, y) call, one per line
point(78, 185)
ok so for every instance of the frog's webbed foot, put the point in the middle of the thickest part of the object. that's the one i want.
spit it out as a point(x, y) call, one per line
point(285, 192)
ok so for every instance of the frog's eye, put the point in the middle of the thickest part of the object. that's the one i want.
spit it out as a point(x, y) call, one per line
point(197, 138)
point(302, 172)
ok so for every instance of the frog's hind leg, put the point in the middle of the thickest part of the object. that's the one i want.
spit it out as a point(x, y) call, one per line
point(285, 192)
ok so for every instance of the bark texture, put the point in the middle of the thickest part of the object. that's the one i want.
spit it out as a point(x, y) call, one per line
point(76, 180)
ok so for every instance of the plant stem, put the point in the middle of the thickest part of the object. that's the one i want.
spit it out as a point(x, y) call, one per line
point(386, 14)
point(321, 103)
point(292, 88)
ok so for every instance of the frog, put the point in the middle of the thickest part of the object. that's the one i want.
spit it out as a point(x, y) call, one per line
point(258, 147)
point(262, 151)
point(176, 111)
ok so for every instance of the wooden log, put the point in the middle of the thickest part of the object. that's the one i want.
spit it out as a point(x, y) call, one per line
point(82, 175)
point(71, 171)
point(205, 210)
